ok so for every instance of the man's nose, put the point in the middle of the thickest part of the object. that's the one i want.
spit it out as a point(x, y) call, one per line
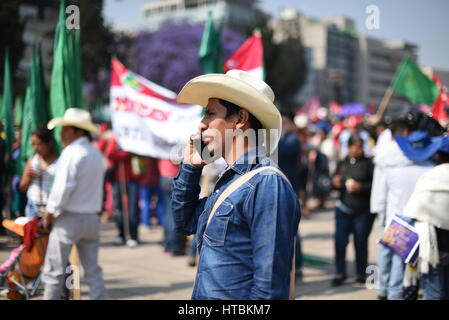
point(202, 125)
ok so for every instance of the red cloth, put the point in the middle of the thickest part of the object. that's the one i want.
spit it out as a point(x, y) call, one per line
point(150, 176)
point(117, 158)
point(167, 168)
point(102, 143)
point(31, 230)
point(438, 112)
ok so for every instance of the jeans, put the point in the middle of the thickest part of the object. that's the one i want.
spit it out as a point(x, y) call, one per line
point(193, 247)
point(435, 284)
point(391, 274)
point(360, 224)
point(133, 218)
point(172, 240)
point(298, 254)
point(146, 193)
point(31, 209)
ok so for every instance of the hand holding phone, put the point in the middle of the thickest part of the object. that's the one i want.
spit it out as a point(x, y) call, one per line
point(199, 145)
point(194, 150)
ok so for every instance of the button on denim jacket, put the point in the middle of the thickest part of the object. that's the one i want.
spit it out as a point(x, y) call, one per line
point(246, 250)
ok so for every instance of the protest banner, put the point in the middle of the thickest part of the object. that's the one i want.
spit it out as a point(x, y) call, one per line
point(146, 119)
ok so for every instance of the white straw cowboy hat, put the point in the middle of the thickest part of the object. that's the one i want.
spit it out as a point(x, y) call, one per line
point(242, 89)
point(75, 117)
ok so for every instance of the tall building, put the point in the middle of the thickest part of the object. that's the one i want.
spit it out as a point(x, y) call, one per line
point(232, 12)
point(377, 65)
point(341, 61)
point(330, 51)
point(344, 65)
point(41, 17)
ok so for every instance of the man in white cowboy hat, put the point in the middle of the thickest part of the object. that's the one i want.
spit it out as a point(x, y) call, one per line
point(245, 229)
point(73, 206)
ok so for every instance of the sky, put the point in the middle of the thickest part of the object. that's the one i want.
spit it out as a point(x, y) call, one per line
point(422, 22)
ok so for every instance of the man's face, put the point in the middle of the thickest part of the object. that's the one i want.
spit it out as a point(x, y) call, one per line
point(213, 127)
point(68, 135)
point(379, 129)
point(356, 150)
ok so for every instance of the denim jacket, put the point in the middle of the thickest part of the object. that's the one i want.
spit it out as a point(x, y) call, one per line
point(246, 250)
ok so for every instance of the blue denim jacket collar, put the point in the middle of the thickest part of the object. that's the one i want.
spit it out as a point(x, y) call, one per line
point(246, 161)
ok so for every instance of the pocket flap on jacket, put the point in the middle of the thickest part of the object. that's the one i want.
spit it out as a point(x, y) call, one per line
point(224, 209)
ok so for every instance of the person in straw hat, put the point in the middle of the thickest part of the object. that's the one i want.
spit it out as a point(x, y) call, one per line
point(73, 206)
point(245, 229)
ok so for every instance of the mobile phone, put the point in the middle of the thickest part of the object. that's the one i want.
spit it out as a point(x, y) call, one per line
point(199, 145)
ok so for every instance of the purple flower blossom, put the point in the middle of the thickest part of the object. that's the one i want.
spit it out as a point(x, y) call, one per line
point(169, 56)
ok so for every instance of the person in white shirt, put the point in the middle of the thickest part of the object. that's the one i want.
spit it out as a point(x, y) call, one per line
point(37, 178)
point(401, 166)
point(428, 206)
point(73, 206)
point(387, 152)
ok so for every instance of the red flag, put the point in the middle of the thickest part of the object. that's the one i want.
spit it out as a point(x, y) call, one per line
point(249, 57)
point(438, 112)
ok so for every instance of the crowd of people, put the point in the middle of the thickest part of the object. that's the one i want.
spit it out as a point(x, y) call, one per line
point(144, 183)
point(368, 172)
point(375, 171)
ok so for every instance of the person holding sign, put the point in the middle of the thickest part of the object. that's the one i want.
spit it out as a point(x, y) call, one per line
point(402, 169)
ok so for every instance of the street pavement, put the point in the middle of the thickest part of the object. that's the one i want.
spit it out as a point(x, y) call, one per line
point(148, 273)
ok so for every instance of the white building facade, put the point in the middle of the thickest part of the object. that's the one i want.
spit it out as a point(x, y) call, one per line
point(230, 12)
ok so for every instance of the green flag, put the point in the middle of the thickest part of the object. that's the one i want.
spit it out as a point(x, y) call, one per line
point(18, 111)
point(58, 87)
point(78, 70)
point(66, 86)
point(411, 82)
point(35, 113)
point(7, 105)
point(210, 48)
point(40, 110)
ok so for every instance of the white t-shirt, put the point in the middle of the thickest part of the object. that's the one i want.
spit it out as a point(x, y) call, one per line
point(39, 188)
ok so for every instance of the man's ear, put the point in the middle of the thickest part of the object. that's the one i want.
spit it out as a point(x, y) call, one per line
point(243, 118)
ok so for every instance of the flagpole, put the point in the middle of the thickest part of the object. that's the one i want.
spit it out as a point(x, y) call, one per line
point(383, 105)
point(75, 262)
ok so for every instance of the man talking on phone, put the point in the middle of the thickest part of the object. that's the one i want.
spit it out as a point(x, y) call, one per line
point(245, 229)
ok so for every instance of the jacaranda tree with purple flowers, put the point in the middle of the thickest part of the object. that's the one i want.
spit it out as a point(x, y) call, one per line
point(169, 56)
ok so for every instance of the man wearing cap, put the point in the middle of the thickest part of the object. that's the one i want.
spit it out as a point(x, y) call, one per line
point(246, 245)
point(73, 206)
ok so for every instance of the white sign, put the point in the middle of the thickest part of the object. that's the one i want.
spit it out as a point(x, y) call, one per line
point(146, 119)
